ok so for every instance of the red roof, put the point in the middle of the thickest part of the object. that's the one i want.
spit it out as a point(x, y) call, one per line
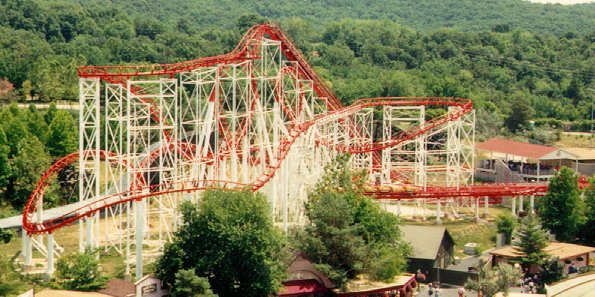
point(516, 148)
point(299, 287)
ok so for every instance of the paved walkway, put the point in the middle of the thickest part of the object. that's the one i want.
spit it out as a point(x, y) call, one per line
point(580, 286)
point(446, 292)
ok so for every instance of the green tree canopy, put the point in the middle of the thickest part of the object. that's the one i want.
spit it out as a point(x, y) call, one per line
point(5, 170)
point(79, 271)
point(552, 271)
point(506, 224)
point(520, 114)
point(62, 136)
point(561, 208)
point(228, 238)
point(531, 240)
point(348, 233)
point(493, 280)
point(588, 228)
point(188, 284)
point(29, 163)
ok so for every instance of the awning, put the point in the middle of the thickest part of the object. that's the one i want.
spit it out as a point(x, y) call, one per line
point(297, 287)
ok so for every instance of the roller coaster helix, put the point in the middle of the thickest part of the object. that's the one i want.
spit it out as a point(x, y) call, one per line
point(258, 117)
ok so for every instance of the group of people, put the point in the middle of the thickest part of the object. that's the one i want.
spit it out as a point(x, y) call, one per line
point(435, 290)
point(530, 283)
point(530, 168)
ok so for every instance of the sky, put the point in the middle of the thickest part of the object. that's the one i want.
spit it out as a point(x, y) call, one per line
point(562, 1)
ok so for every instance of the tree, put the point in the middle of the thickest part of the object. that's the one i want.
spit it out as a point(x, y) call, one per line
point(588, 228)
point(228, 238)
point(506, 224)
point(530, 241)
point(560, 209)
point(520, 114)
point(491, 281)
point(62, 135)
point(6, 235)
point(50, 113)
point(36, 123)
point(248, 20)
point(348, 233)
point(331, 240)
point(188, 284)
point(551, 271)
point(79, 271)
point(5, 170)
point(29, 163)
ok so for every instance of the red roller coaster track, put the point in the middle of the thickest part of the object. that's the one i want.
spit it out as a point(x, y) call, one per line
point(246, 50)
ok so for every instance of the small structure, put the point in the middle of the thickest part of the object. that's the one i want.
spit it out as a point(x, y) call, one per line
point(568, 254)
point(150, 286)
point(305, 280)
point(580, 159)
point(433, 247)
point(515, 161)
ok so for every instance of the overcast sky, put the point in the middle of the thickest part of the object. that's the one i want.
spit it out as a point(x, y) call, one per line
point(563, 1)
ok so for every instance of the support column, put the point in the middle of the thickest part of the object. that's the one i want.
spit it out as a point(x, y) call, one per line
point(139, 239)
point(514, 206)
point(486, 208)
point(538, 173)
point(399, 208)
point(89, 233)
point(438, 214)
point(477, 209)
point(27, 248)
point(521, 202)
point(50, 249)
point(532, 203)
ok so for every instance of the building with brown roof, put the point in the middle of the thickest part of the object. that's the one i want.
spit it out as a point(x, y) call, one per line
point(567, 253)
point(118, 288)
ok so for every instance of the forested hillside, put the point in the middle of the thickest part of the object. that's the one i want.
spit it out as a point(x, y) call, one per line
point(499, 53)
point(465, 15)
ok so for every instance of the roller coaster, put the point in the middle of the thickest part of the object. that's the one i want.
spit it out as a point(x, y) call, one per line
point(257, 118)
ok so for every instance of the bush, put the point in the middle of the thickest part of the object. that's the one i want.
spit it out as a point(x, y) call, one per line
point(552, 271)
point(80, 271)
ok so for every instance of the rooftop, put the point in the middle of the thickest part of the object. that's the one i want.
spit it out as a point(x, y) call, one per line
point(515, 148)
point(425, 240)
point(363, 285)
point(559, 250)
point(118, 288)
point(581, 153)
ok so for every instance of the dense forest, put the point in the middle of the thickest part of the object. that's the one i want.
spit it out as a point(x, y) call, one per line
point(518, 61)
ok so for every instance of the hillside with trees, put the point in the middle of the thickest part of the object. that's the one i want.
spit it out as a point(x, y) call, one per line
point(518, 61)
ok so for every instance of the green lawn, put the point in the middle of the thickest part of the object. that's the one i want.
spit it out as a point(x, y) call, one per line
point(465, 230)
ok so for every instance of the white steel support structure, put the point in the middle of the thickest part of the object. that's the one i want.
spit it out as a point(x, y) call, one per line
point(254, 123)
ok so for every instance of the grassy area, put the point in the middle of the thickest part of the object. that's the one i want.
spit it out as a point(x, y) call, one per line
point(67, 237)
point(465, 230)
point(575, 139)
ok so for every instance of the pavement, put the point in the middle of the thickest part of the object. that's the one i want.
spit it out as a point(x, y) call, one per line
point(446, 292)
point(579, 286)
point(453, 291)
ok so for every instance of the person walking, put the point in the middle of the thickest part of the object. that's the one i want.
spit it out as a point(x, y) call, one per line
point(461, 292)
point(438, 291)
